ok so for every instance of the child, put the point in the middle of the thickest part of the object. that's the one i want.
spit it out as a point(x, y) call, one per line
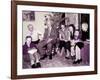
point(31, 49)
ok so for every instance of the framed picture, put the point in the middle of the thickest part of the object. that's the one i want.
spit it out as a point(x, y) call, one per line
point(53, 39)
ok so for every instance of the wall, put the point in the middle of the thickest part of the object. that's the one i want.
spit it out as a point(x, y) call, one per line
point(73, 19)
point(5, 40)
point(38, 23)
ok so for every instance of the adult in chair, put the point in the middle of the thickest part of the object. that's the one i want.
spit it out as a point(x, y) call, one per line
point(49, 39)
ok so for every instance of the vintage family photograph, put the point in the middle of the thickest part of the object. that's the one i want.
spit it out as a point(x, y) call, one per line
point(55, 39)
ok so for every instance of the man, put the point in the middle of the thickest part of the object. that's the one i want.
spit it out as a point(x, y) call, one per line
point(49, 39)
point(34, 34)
point(29, 48)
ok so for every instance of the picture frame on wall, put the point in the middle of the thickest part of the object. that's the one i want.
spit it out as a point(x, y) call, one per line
point(53, 39)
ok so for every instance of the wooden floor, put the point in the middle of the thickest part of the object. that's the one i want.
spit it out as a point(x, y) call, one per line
point(60, 61)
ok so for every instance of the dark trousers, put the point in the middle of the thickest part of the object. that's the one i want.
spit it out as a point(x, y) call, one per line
point(43, 46)
point(64, 44)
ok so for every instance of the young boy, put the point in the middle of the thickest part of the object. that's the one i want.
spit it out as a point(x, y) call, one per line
point(30, 48)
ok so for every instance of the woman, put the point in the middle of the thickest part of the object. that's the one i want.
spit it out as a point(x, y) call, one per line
point(72, 31)
point(78, 45)
point(64, 37)
point(85, 31)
